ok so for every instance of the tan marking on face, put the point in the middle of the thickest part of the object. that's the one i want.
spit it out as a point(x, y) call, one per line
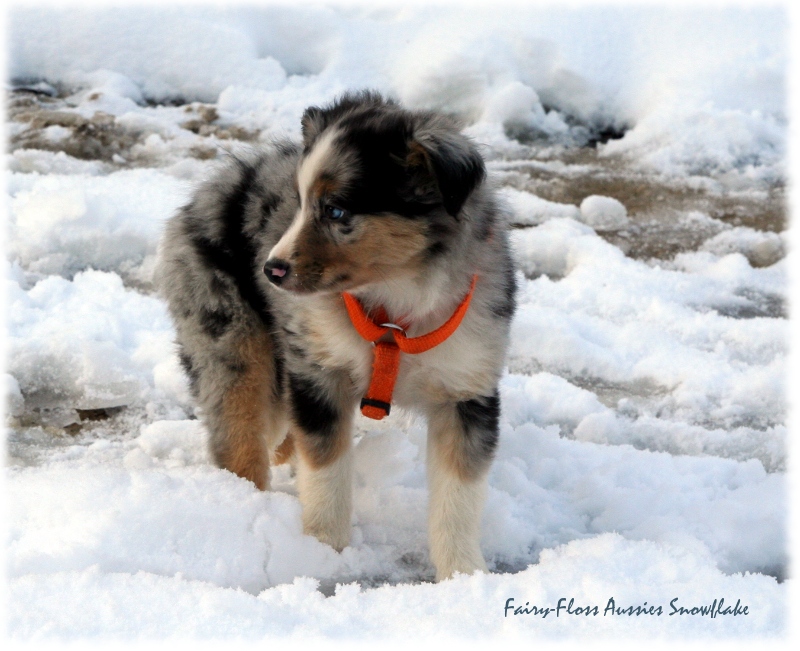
point(417, 156)
point(244, 413)
point(379, 248)
point(388, 240)
point(389, 246)
point(325, 185)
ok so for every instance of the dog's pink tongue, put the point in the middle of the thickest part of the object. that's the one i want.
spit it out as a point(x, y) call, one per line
point(276, 271)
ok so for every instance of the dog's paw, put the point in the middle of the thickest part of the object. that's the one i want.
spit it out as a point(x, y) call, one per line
point(466, 565)
point(338, 538)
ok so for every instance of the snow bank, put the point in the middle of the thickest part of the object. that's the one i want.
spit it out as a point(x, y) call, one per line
point(95, 605)
point(609, 321)
point(164, 53)
point(152, 516)
point(88, 343)
point(701, 91)
point(62, 224)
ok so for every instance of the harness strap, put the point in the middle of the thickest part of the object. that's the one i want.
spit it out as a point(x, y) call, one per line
point(386, 363)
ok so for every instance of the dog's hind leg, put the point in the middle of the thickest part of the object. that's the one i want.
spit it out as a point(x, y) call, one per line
point(240, 396)
point(462, 437)
point(322, 432)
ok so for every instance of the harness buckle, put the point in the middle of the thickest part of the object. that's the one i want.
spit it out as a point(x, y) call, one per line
point(380, 404)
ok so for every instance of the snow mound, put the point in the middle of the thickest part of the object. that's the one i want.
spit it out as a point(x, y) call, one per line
point(100, 350)
point(65, 224)
point(14, 402)
point(603, 213)
point(529, 210)
point(761, 248)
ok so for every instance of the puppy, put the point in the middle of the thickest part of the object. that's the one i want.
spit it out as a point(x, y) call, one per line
point(296, 280)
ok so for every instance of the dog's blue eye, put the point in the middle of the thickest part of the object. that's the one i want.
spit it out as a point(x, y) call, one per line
point(334, 213)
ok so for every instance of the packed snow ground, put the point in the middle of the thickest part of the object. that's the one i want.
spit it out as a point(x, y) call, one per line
point(643, 437)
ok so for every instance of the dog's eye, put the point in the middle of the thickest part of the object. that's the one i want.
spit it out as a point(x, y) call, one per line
point(334, 212)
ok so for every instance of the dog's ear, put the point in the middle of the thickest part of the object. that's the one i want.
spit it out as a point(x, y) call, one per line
point(451, 161)
point(312, 124)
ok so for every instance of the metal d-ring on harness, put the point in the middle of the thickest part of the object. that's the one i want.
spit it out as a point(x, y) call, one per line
point(378, 401)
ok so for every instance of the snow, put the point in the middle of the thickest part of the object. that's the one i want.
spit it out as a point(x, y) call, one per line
point(615, 321)
point(88, 343)
point(603, 213)
point(762, 249)
point(687, 80)
point(643, 448)
point(591, 572)
point(60, 224)
point(530, 210)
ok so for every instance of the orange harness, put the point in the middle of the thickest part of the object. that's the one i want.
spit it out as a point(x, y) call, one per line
point(377, 403)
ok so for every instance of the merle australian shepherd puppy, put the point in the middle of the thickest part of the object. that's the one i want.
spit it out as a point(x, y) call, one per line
point(366, 267)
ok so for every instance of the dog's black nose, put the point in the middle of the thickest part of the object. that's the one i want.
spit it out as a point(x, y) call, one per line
point(277, 270)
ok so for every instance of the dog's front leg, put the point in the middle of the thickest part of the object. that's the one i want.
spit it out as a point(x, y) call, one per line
point(323, 435)
point(462, 437)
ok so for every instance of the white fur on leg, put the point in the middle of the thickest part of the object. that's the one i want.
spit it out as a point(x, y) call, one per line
point(326, 495)
point(454, 517)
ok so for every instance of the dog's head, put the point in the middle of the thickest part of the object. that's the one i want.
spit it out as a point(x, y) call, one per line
point(380, 191)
